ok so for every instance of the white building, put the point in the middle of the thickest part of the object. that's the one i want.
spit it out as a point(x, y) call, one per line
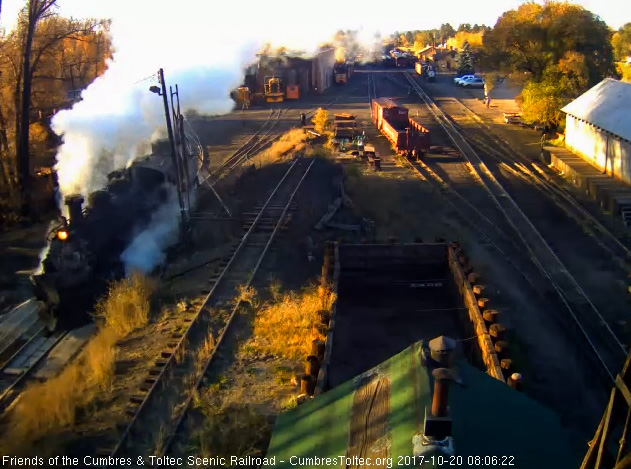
point(598, 127)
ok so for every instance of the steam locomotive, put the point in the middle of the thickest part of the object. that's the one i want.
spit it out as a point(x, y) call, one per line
point(84, 250)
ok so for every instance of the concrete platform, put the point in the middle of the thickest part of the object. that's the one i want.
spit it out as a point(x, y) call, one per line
point(65, 350)
point(611, 194)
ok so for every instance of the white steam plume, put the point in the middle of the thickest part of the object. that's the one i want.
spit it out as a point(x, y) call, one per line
point(146, 251)
point(202, 49)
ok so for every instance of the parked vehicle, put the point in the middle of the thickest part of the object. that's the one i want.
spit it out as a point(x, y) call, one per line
point(464, 80)
point(463, 77)
point(473, 83)
point(406, 135)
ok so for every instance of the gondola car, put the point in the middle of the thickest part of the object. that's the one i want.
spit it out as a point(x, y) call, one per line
point(407, 136)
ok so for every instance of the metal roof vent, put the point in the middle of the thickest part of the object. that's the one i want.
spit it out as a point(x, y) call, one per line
point(436, 436)
point(442, 350)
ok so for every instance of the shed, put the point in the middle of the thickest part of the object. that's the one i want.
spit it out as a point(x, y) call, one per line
point(598, 127)
point(445, 60)
point(378, 413)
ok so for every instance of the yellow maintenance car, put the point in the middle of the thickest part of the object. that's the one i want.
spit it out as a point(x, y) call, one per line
point(274, 90)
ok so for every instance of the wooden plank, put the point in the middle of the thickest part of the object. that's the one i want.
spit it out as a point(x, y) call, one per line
point(369, 422)
point(333, 208)
point(624, 390)
point(602, 448)
point(588, 461)
point(485, 343)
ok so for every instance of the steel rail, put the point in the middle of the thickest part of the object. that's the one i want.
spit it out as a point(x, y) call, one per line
point(183, 339)
point(557, 273)
point(182, 416)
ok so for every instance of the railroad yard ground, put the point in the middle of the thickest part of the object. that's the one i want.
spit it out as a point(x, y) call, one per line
point(557, 369)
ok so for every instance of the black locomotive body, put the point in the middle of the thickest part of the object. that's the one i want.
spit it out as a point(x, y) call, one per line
point(84, 251)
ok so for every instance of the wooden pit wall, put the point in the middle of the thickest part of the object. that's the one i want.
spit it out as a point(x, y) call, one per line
point(331, 278)
point(479, 327)
point(485, 344)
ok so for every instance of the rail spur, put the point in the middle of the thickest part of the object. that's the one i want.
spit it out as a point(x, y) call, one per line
point(167, 392)
point(532, 172)
point(607, 348)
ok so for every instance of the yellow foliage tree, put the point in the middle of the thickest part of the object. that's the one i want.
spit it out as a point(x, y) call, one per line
point(321, 120)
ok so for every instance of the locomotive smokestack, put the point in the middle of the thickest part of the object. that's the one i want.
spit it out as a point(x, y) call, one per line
point(75, 206)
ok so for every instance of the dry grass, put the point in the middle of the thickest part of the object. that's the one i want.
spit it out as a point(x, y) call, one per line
point(285, 328)
point(50, 408)
point(126, 307)
point(234, 409)
point(203, 353)
point(230, 428)
point(294, 140)
point(380, 202)
point(247, 294)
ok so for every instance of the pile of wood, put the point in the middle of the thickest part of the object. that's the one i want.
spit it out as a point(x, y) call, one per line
point(325, 221)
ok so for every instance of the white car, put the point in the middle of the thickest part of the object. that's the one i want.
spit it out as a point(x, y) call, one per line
point(475, 82)
point(458, 80)
point(468, 80)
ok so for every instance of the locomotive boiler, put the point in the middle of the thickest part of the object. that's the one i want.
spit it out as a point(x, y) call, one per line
point(84, 250)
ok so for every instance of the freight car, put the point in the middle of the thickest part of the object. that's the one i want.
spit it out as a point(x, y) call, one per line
point(426, 71)
point(406, 135)
point(84, 250)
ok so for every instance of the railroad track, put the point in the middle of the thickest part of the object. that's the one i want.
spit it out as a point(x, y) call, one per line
point(258, 140)
point(18, 370)
point(166, 395)
point(261, 138)
point(607, 348)
point(533, 173)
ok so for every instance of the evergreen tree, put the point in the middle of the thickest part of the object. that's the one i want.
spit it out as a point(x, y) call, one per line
point(464, 62)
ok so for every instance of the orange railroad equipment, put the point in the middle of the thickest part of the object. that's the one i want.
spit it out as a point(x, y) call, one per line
point(274, 90)
point(405, 134)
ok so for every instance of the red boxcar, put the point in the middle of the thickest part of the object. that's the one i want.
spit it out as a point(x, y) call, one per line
point(405, 134)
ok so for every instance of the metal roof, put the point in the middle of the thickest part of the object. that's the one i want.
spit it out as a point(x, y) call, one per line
point(606, 106)
point(489, 418)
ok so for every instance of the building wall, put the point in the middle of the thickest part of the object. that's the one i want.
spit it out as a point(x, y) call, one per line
point(599, 148)
point(322, 71)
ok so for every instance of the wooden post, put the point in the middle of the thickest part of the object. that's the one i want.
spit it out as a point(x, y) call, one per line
point(307, 385)
point(501, 348)
point(312, 366)
point(318, 348)
point(497, 331)
point(490, 316)
point(473, 278)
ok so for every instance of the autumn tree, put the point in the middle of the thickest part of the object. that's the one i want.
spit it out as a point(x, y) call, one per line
point(561, 48)
point(321, 120)
point(621, 42)
point(535, 36)
point(63, 54)
point(39, 15)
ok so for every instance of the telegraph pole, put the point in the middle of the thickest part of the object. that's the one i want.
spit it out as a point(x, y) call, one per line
point(183, 220)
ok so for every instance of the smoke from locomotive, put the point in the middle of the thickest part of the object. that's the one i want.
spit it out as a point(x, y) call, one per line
point(124, 226)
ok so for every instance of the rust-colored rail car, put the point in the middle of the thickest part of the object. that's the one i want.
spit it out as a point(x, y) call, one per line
point(405, 134)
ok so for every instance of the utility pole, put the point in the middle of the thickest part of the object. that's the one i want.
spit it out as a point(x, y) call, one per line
point(183, 220)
